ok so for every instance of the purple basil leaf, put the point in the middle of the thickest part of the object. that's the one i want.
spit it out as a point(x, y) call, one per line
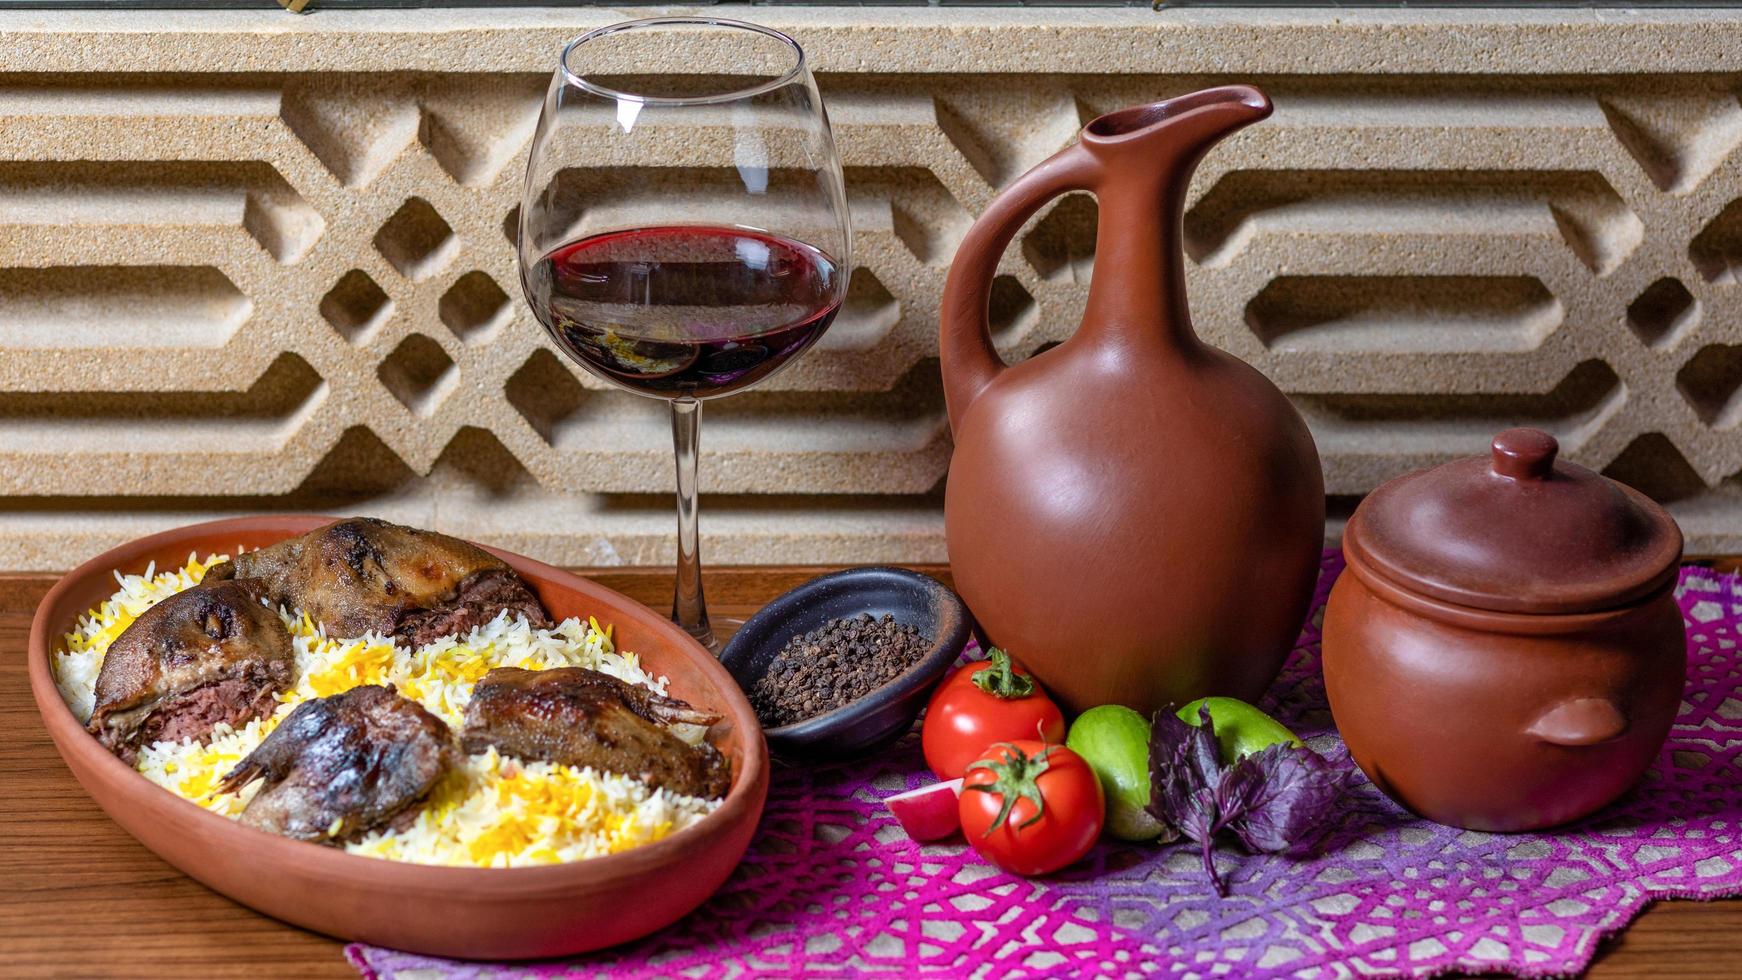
point(1289, 796)
point(1240, 785)
point(1206, 751)
point(1200, 819)
point(1183, 773)
point(1179, 798)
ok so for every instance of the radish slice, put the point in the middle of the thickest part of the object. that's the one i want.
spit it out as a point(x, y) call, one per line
point(930, 812)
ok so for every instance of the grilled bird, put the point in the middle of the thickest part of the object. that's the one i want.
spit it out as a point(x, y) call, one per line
point(341, 766)
point(581, 717)
point(207, 655)
point(364, 575)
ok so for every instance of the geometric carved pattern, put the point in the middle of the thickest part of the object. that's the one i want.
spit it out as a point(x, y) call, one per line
point(235, 292)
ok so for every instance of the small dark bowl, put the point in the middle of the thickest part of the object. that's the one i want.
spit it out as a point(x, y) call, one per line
point(883, 715)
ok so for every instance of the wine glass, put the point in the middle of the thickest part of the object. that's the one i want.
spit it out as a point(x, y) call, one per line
point(684, 236)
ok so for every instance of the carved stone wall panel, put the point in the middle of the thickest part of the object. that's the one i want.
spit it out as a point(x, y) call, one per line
point(225, 291)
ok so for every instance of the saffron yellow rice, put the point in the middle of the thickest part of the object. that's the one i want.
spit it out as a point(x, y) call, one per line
point(492, 811)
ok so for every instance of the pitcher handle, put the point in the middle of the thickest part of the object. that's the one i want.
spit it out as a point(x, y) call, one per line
point(968, 359)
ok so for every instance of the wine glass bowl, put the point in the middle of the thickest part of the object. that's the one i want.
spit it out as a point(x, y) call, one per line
point(679, 311)
point(684, 236)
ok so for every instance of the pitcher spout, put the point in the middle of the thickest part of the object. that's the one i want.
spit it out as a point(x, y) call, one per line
point(1186, 126)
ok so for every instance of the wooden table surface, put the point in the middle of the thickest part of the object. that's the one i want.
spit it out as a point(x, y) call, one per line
point(80, 898)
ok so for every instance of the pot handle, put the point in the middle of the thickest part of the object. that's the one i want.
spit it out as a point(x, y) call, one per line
point(968, 359)
point(1581, 721)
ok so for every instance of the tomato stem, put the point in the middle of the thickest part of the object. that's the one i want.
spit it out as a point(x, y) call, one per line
point(1016, 776)
point(1002, 680)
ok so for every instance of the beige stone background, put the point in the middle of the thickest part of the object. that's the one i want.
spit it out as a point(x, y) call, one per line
point(254, 262)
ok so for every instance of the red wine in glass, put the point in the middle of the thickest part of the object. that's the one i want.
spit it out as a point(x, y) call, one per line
point(684, 311)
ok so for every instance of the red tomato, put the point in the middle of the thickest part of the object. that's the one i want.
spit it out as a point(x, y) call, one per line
point(980, 704)
point(1032, 808)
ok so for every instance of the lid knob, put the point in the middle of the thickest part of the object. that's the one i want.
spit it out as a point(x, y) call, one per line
point(1525, 454)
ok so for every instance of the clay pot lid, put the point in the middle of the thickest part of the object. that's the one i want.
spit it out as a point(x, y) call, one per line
point(1516, 531)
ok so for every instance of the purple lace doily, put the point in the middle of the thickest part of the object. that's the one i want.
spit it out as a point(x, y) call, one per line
point(831, 883)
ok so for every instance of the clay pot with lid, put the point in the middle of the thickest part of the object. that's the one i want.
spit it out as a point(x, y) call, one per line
point(1504, 651)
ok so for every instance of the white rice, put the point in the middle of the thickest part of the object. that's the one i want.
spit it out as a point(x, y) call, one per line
point(491, 811)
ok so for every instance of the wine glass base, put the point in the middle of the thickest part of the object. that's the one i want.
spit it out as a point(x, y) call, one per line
point(726, 627)
point(719, 630)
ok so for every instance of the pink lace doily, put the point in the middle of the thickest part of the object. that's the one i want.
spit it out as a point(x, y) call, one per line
point(831, 883)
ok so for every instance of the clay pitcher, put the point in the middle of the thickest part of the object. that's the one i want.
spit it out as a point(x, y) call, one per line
point(1135, 515)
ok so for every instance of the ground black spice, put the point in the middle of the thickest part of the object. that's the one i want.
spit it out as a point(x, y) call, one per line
point(833, 666)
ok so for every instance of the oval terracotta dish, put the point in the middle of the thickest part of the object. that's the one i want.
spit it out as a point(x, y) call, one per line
point(511, 913)
point(1504, 651)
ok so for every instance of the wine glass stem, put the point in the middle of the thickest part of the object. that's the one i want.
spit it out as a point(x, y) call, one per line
point(688, 608)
